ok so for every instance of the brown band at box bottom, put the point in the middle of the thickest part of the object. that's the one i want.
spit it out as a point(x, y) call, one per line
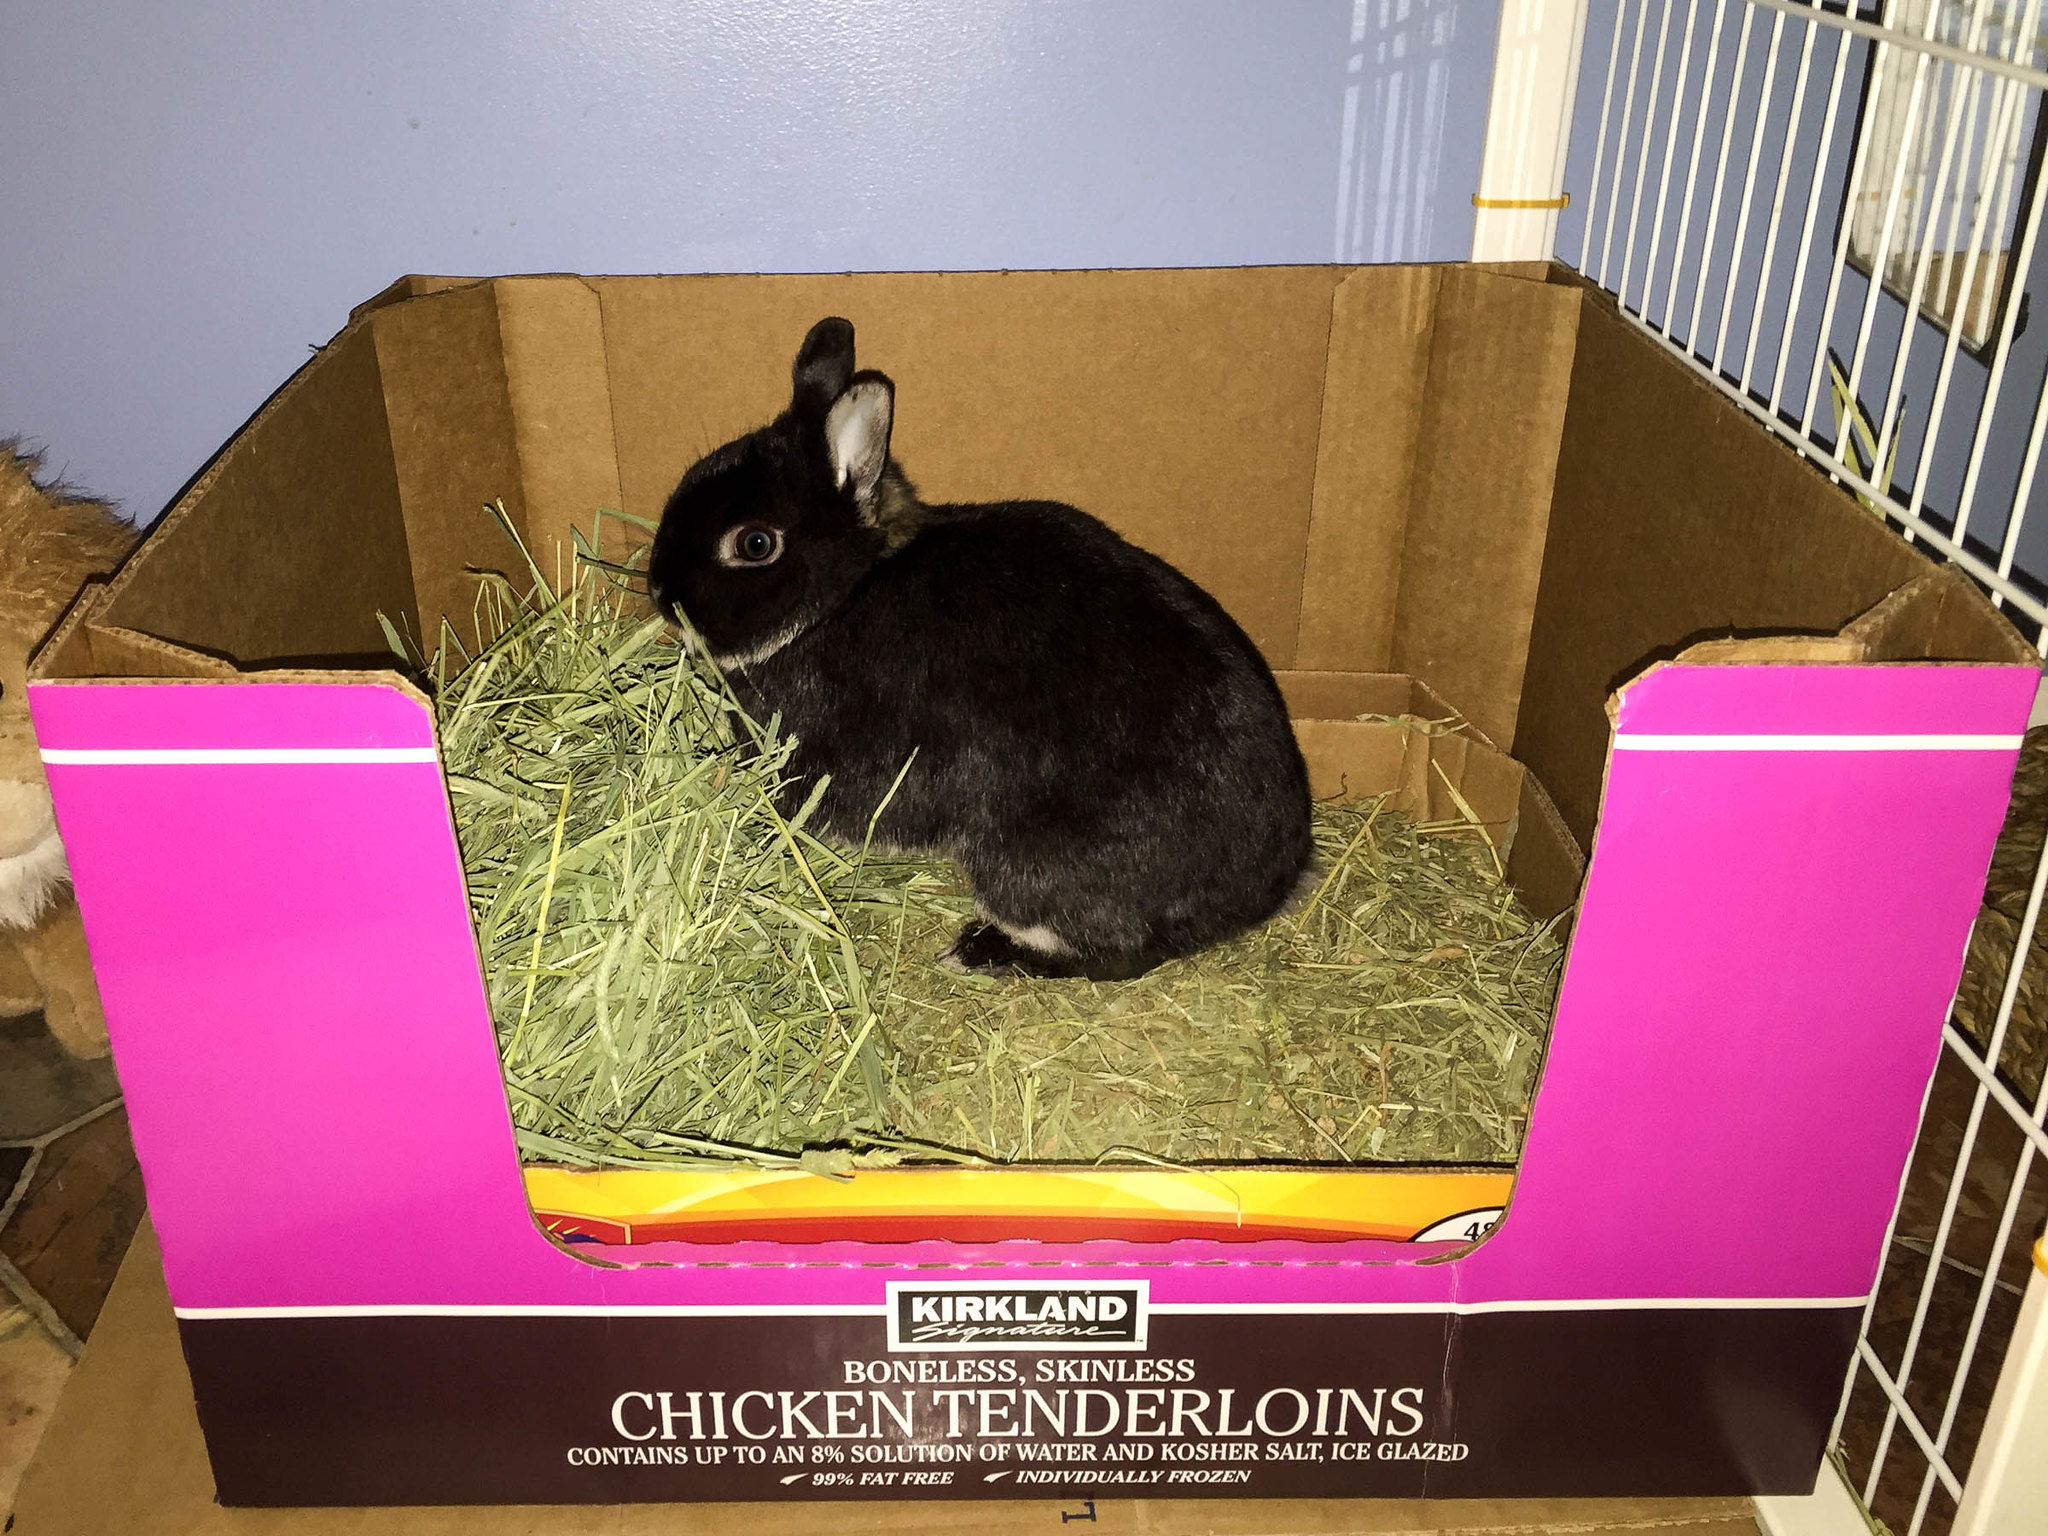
point(618, 1408)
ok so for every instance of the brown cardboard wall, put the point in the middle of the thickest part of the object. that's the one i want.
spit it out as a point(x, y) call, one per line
point(1180, 407)
point(1424, 774)
point(1347, 695)
point(1485, 460)
point(1967, 625)
point(413, 285)
point(1674, 518)
point(118, 652)
point(450, 409)
point(292, 542)
point(1377, 377)
point(1545, 863)
point(552, 331)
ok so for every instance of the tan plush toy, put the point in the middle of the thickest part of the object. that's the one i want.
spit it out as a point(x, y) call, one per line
point(51, 542)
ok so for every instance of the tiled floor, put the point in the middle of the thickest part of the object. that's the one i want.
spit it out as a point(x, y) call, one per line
point(70, 1197)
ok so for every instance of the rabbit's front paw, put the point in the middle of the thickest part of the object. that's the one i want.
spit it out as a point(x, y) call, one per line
point(983, 949)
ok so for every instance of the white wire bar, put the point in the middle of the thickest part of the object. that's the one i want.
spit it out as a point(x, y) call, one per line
point(1988, 1284)
point(1928, 216)
point(1692, 11)
point(1756, 147)
point(1827, 135)
point(2001, 1095)
point(2025, 74)
point(1756, 316)
point(1628, 103)
point(1927, 213)
point(1600, 142)
point(1692, 168)
point(1956, 125)
point(1872, 101)
point(1958, 1179)
point(1699, 293)
point(1635, 206)
point(1890, 1389)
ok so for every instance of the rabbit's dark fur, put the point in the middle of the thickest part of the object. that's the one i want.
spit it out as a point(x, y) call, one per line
point(1100, 748)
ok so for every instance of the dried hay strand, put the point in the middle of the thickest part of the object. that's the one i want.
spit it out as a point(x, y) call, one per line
point(681, 975)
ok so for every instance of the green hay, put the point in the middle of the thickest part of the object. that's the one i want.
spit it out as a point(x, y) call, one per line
point(1398, 1016)
point(681, 976)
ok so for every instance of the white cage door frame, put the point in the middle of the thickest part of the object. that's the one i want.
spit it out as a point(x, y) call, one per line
point(2008, 1487)
point(1528, 130)
point(1830, 1510)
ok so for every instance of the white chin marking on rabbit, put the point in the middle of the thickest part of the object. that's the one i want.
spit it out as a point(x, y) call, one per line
point(31, 882)
point(755, 655)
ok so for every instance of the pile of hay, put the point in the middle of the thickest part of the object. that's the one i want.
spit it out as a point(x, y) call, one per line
point(1397, 1016)
point(680, 975)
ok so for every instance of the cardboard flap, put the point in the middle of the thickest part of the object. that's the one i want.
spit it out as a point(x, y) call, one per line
point(1375, 380)
point(551, 330)
point(1369, 733)
point(292, 542)
point(496, 392)
point(66, 651)
point(1486, 455)
point(413, 285)
point(118, 652)
point(1545, 863)
point(1939, 616)
point(1763, 650)
point(1525, 271)
point(1347, 695)
point(1437, 774)
point(1486, 780)
point(450, 411)
point(1353, 759)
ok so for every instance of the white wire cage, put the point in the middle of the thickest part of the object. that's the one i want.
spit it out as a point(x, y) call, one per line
point(1834, 213)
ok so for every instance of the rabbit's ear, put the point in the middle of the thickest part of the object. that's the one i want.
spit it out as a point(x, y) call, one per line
point(824, 365)
point(857, 434)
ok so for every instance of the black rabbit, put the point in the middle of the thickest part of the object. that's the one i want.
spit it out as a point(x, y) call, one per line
point(1100, 748)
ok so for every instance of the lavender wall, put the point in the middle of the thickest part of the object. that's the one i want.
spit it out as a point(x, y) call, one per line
point(195, 194)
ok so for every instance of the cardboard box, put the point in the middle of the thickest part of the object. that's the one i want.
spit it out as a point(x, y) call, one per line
point(1786, 739)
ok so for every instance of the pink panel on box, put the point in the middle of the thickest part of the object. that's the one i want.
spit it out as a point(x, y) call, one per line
point(1767, 947)
point(130, 716)
point(1920, 698)
point(1764, 954)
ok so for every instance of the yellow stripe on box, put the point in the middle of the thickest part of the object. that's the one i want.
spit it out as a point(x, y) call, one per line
point(632, 1205)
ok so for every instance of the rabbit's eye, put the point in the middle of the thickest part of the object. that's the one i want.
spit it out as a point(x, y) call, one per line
point(750, 544)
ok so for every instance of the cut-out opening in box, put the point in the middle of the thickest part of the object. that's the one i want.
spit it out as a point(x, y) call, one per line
point(1381, 737)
